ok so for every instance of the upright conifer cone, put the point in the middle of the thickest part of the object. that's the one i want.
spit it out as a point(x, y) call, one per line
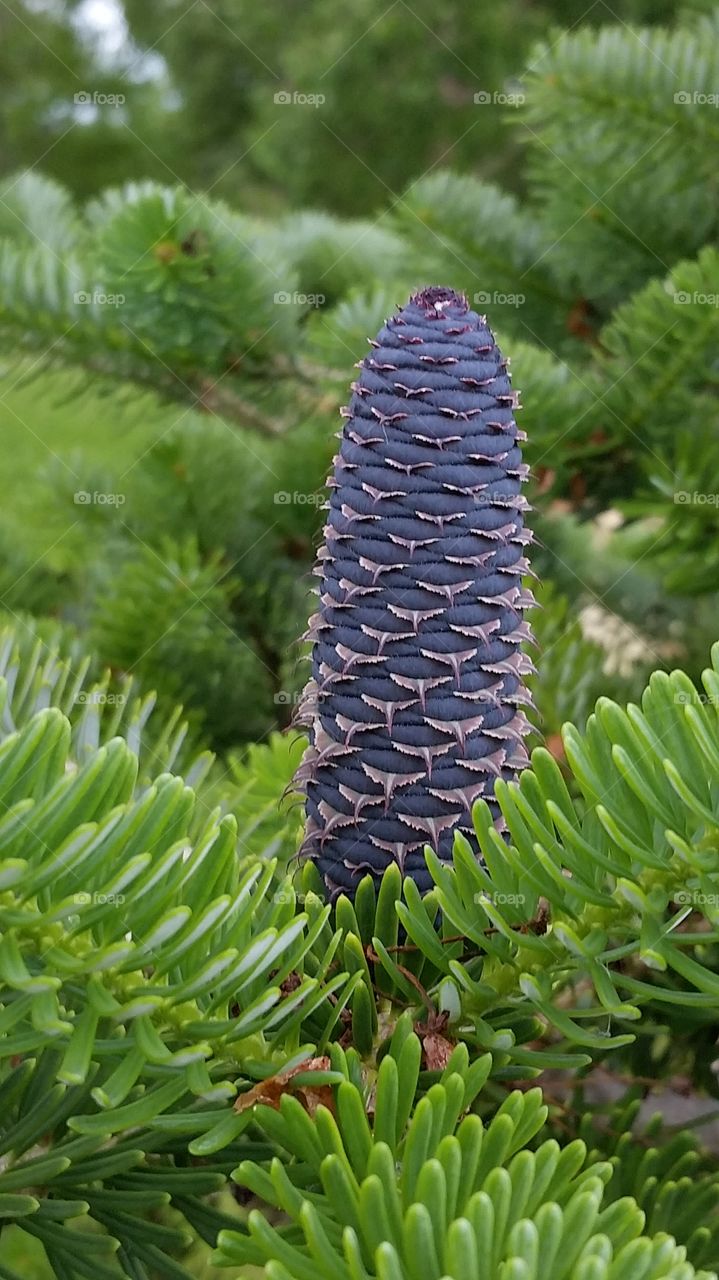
point(414, 705)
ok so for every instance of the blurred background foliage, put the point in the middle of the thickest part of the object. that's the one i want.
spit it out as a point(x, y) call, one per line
point(199, 82)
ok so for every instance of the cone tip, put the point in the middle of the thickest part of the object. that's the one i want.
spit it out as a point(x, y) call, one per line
point(436, 299)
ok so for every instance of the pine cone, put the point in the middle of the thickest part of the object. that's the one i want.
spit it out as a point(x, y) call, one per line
point(414, 703)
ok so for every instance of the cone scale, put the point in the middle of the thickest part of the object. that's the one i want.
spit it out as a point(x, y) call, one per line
point(414, 705)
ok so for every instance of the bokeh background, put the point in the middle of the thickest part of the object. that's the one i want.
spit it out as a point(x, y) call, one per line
point(206, 210)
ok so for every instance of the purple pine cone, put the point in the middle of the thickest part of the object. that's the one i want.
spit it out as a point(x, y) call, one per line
point(414, 703)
